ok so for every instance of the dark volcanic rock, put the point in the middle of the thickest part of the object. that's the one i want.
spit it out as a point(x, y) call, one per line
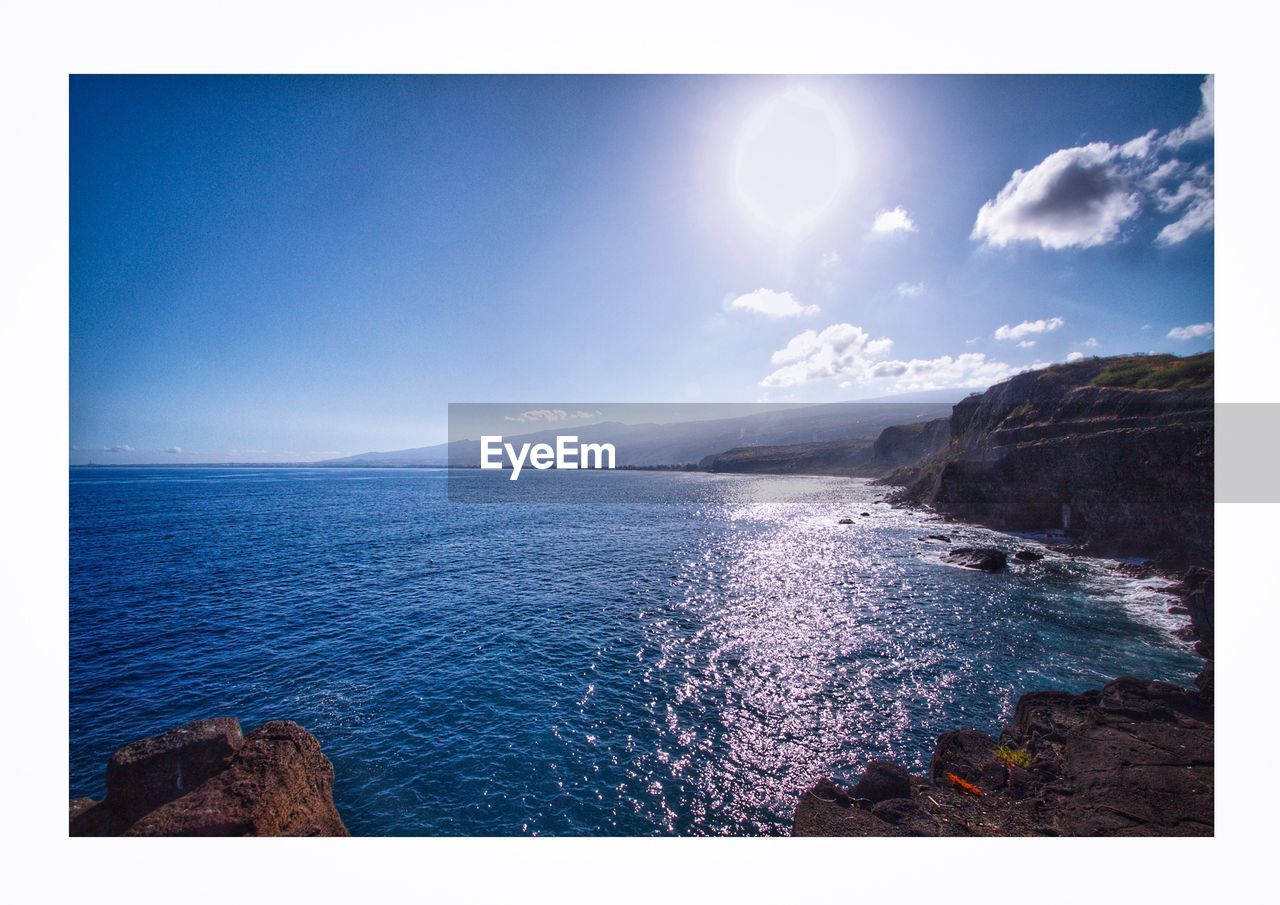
point(273, 782)
point(1204, 682)
point(988, 559)
point(882, 780)
point(908, 817)
point(1133, 759)
point(846, 521)
point(944, 538)
point(970, 755)
point(827, 810)
point(1029, 555)
point(1197, 596)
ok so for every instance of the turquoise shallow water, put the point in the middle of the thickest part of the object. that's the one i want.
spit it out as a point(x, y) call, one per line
point(635, 653)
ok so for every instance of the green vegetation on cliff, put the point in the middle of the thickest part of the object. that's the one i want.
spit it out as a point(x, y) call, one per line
point(1159, 372)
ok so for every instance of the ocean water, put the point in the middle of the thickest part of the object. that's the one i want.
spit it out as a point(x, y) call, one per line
point(635, 653)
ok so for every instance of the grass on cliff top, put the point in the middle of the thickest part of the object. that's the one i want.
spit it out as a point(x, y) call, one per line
point(1158, 372)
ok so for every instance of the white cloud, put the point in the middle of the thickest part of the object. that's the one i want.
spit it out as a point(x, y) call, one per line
point(839, 350)
point(1074, 198)
point(972, 340)
point(847, 351)
point(1191, 331)
point(1074, 356)
point(1029, 327)
point(1026, 344)
point(1140, 146)
point(829, 259)
point(550, 415)
point(1083, 196)
point(772, 304)
point(910, 290)
point(1199, 128)
point(1194, 196)
point(174, 450)
point(896, 220)
point(1091, 343)
point(119, 448)
point(970, 369)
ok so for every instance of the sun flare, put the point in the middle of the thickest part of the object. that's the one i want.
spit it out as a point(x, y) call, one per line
point(791, 162)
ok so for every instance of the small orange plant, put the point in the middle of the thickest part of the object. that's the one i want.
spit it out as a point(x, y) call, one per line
point(966, 787)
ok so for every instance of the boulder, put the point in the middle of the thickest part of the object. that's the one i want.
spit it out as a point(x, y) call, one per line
point(987, 559)
point(881, 781)
point(206, 779)
point(148, 773)
point(1028, 555)
point(846, 521)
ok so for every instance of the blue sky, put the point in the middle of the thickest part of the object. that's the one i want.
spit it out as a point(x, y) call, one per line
point(285, 269)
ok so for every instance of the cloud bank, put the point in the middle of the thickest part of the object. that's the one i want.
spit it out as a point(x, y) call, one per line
point(847, 351)
point(549, 415)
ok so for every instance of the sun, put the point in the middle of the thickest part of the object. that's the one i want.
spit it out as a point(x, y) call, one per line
point(791, 162)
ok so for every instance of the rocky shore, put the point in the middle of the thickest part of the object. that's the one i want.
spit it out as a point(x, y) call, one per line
point(207, 778)
point(1133, 759)
point(1114, 454)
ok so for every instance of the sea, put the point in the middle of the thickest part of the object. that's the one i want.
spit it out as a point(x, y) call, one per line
point(615, 653)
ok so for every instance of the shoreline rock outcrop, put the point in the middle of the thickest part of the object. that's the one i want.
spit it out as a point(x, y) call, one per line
point(1115, 454)
point(1132, 759)
point(207, 778)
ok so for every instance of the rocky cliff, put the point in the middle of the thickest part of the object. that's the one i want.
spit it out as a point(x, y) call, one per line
point(209, 779)
point(1116, 453)
point(1134, 759)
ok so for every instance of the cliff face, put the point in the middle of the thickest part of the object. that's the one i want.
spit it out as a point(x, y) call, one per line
point(907, 444)
point(1124, 469)
point(1134, 759)
point(208, 779)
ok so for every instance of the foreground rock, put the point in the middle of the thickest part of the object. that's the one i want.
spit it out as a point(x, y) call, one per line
point(208, 779)
point(1134, 759)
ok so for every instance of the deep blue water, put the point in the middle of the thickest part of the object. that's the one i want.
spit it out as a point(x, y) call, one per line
point(675, 653)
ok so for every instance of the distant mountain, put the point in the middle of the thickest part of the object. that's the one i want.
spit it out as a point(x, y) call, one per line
point(897, 446)
point(688, 442)
point(952, 395)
